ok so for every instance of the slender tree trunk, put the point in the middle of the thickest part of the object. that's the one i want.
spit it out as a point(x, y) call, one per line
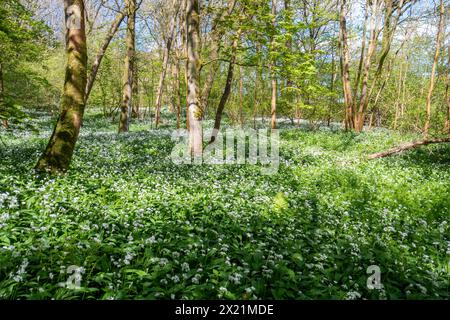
point(289, 82)
point(227, 89)
point(273, 72)
point(258, 76)
point(371, 120)
point(216, 38)
point(403, 102)
point(364, 98)
point(129, 68)
point(241, 97)
point(176, 5)
point(332, 85)
point(176, 90)
point(397, 101)
point(135, 113)
point(433, 70)
point(2, 97)
point(212, 72)
point(58, 153)
point(447, 96)
point(184, 32)
point(363, 49)
point(389, 27)
point(345, 69)
point(101, 53)
point(193, 77)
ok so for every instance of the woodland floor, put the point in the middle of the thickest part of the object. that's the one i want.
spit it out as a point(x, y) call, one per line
point(144, 228)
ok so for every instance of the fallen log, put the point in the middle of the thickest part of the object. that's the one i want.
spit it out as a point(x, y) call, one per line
point(407, 146)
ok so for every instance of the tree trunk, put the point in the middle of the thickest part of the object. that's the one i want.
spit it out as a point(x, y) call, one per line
point(363, 49)
point(128, 70)
point(101, 53)
point(345, 69)
point(272, 66)
point(289, 82)
point(258, 76)
point(193, 77)
point(397, 101)
point(2, 97)
point(447, 96)
point(389, 28)
point(135, 111)
point(364, 98)
point(176, 4)
point(332, 85)
point(407, 146)
point(227, 89)
point(176, 90)
point(241, 97)
point(183, 31)
point(209, 80)
point(426, 129)
point(58, 153)
point(216, 37)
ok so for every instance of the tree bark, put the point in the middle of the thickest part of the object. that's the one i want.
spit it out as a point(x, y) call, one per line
point(193, 77)
point(101, 53)
point(345, 69)
point(176, 4)
point(407, 146)
point(58, 153)
point(426, 130)
point(128, 69)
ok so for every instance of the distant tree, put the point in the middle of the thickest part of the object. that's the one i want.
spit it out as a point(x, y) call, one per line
point(23, 38)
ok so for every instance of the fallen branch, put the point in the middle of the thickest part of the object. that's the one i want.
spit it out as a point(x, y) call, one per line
point(407, 146)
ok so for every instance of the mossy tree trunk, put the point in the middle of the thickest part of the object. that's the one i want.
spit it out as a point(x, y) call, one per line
point(125, 109)
point(58, 153)
point(193, 77)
